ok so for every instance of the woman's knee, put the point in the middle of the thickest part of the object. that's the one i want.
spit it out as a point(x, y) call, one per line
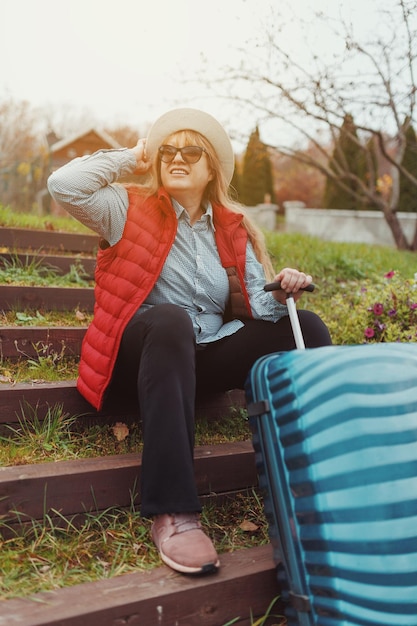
point(315, 331)
point(167, 309)
point(162, 324)
point(170, 320)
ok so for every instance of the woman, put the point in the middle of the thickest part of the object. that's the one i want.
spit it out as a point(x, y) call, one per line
point(180, 305)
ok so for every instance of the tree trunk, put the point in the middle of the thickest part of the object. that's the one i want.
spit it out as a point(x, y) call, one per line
point(396, 229)
point(414, 244)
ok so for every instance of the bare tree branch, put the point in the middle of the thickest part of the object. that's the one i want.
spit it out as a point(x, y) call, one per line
point(373, 80)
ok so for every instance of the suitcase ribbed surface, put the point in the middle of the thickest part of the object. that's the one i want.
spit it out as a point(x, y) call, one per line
point(337, 456)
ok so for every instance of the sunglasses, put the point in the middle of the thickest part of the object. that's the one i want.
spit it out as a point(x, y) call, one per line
point(189, 154)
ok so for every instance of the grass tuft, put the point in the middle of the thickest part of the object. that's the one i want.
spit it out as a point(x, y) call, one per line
point(11, 218)
point(30, 272)
point(59, 436)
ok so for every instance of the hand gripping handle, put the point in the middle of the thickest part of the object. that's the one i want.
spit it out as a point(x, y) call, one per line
point(277, 285)
point(292, 312)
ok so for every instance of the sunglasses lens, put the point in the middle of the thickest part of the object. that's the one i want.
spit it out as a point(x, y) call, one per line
point(167, 153)
point(190, 154)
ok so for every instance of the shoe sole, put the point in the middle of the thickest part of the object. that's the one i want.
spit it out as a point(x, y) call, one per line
point(207, 568)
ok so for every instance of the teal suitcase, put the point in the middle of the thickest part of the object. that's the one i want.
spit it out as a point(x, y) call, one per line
point(335, 439)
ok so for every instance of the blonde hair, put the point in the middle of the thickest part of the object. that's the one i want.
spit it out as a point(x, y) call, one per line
point(217, 191)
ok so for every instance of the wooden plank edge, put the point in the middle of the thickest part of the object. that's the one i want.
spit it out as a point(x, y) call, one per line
point(45, 395)
point(36, 240)
point(61, 264)
point(46, 298)
point(245, 584)
point(19, 527)
point(25, 342)
point(77, 486)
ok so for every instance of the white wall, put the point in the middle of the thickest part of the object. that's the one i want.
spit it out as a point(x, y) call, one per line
point(350, 226)
point(264, 215)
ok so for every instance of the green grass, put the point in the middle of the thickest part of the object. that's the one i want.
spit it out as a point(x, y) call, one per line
point(60, 552)
point(47, 366)
point(28, 317)
point(333, 262)
point(265, 619)
point(34, 273)
point(15, 219)
point(60, 436)
point(350, 279)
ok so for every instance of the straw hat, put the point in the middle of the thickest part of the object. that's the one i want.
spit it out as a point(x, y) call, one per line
point(203, 123)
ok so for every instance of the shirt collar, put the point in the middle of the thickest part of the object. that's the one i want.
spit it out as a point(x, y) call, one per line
point(208, 215)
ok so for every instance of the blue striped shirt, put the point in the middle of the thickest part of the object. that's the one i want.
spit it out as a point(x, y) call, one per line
point(192, 276)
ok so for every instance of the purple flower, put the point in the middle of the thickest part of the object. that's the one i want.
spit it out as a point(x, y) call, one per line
point(380, 326)
point(413, 306)
point(378, 308)
point(369, 332)
point(389, 274)
point(392, 312)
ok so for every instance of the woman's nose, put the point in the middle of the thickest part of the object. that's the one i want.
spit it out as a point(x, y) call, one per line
point(178, 156)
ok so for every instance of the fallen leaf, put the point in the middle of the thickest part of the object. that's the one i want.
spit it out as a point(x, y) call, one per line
point(248, 527)
point(6, 378)
point(120, 431)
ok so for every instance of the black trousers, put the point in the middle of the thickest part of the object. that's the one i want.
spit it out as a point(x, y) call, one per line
point(158, 359)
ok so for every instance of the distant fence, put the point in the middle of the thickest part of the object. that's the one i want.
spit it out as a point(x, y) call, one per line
point(265, 215)
point(349, 226)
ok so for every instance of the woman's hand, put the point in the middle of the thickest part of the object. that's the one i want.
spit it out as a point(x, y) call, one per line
point(142, 163)
point(292, 281)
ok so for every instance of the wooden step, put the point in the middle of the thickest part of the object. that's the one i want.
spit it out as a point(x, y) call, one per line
point(14, 297)
point(243, 588)
point(37, 240)
point(45, 395)
point(29, 492)
point(17, 342)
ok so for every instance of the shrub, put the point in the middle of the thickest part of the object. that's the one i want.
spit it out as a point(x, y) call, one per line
point(383, 310)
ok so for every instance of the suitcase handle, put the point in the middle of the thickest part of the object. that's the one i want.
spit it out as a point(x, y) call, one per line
point(292, 312)
point(277, 285)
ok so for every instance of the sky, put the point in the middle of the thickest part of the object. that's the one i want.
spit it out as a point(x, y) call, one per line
point(123, 61)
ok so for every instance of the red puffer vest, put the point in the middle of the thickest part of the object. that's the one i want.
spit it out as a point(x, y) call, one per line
point(127, 271)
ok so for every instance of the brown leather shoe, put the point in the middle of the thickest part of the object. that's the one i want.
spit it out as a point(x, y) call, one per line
point(183, 545)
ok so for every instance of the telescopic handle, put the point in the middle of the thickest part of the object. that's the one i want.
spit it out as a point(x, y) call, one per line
point(277, 285)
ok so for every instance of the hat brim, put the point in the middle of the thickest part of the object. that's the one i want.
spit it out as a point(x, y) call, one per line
point(193, 119)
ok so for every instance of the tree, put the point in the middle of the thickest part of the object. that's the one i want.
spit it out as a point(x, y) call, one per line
point(348, 164)
point(23, 155)
point(24, 150)
point(235, 182)
point(306, 94)
point(408, 193)
point(256, 181)
point(295, 180)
